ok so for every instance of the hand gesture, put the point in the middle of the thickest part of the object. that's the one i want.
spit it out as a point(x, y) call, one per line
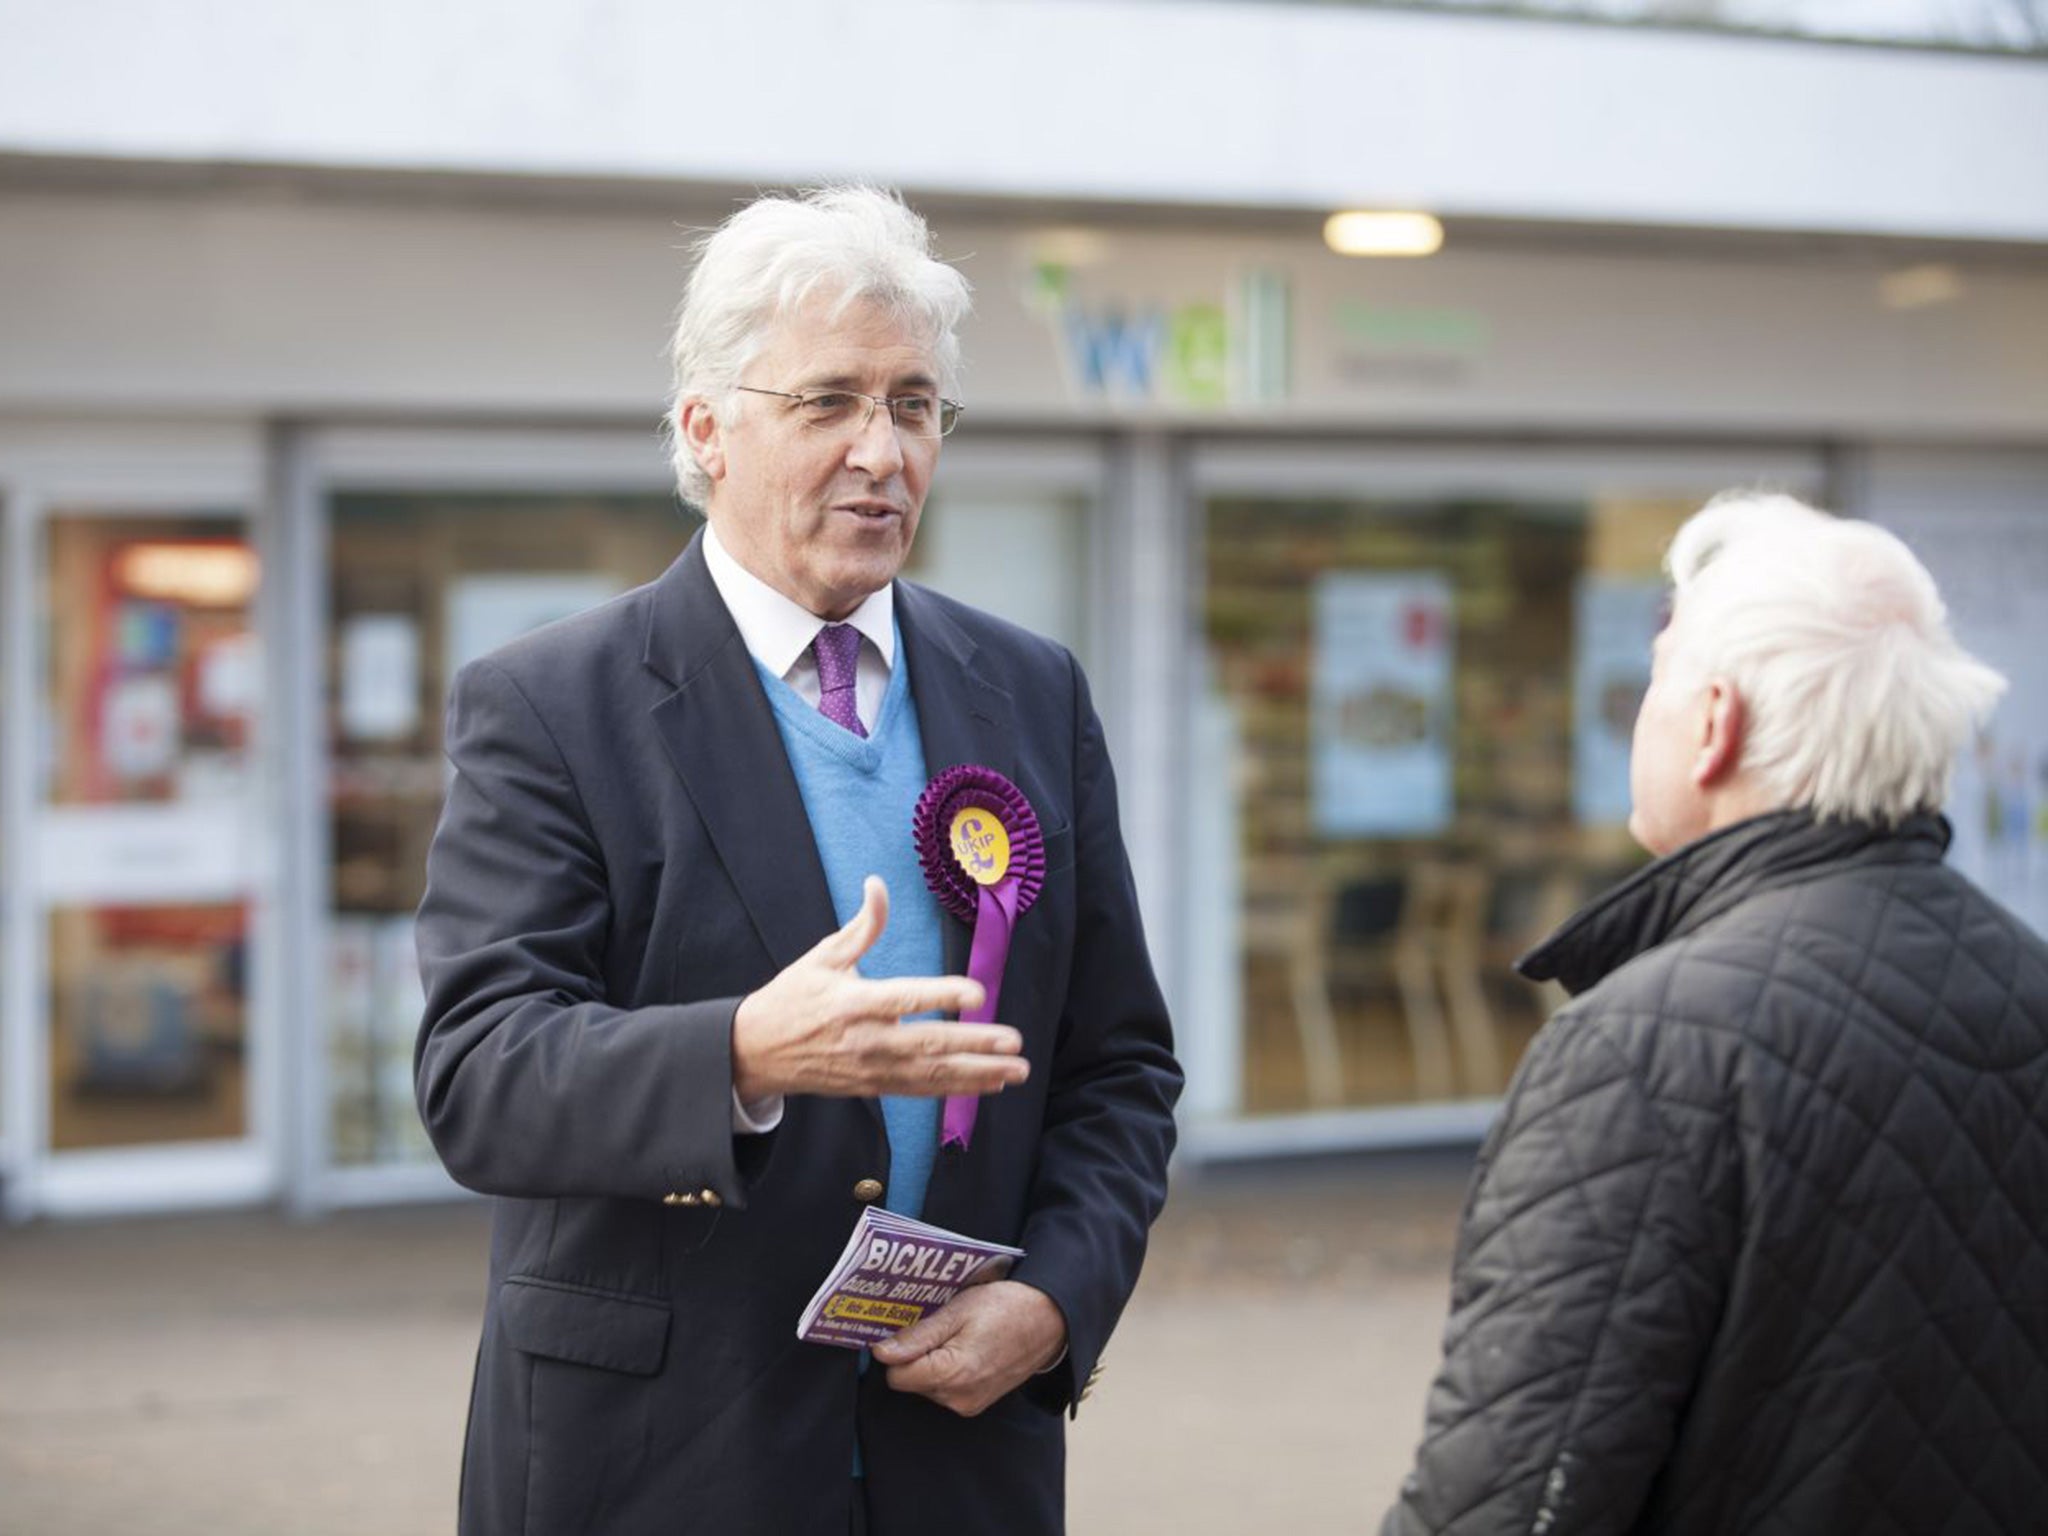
point(822, 1027)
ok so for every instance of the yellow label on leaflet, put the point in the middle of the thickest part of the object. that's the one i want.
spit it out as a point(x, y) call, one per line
point(864, 1309)
point(982, 845)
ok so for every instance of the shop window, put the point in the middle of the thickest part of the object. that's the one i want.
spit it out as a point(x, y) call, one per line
point(1426, 709)
point(422, 583)
point(153, 659)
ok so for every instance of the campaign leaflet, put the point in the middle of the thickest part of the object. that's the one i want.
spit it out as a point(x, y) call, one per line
point(893, 1271)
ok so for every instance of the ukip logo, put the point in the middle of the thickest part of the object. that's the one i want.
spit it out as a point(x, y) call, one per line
point(981, 845)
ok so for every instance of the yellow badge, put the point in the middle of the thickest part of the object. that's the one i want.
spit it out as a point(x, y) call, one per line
point(982, 844)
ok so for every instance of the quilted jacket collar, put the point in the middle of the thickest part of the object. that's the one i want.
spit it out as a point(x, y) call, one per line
point(1683, 890)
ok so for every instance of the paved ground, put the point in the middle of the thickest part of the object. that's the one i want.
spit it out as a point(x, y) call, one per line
point(244, 1375)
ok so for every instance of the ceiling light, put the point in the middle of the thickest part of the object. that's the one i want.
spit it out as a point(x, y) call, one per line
point(1359, 232)
point(206, 575)
point(1934, 282)
point(1070, 246)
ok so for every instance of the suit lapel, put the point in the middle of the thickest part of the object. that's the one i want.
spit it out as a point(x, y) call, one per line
point(719, 731)
point(961, 714)
point(964, 717)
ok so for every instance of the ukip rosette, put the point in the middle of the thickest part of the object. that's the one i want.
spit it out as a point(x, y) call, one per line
point(984, 858)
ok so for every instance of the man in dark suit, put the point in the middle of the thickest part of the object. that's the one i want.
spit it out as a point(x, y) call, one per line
point(666, 993)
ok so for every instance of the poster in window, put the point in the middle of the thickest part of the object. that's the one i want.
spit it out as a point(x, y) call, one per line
point(1380, 704)
point(487, 611)
point(1991, 566)
point(1615, 623)
point(141, 726)
point(380, 677)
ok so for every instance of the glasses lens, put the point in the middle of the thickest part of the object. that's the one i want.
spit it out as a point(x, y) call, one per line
point(917, 415)
point(832, 410)
point(949, 416)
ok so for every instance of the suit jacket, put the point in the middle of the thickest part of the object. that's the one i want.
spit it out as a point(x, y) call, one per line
point(623, 856)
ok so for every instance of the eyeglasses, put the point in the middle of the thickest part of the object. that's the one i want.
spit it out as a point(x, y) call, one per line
point(850, 411)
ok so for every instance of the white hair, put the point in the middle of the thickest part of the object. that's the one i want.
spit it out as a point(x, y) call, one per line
point(1857, 698)
point(849, 243)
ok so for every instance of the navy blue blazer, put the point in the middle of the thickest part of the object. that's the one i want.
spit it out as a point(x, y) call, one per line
point(623, 856)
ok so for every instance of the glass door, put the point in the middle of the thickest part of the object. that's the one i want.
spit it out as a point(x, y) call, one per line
point(141, 1065)
point(13, 1004)
point(422, 581)
point(421, 551)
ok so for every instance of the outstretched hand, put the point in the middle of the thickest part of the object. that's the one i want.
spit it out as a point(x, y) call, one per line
point(822, 1027)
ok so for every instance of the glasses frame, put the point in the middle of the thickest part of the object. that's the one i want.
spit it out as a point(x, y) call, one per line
point(949, 410)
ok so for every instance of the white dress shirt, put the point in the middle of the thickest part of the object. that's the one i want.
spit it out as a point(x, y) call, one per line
point(778, 632)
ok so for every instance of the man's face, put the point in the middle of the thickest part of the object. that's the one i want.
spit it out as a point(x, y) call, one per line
point(1667, 807)
point(824, 517)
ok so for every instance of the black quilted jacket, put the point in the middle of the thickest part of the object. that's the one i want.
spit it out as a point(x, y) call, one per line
point(1759, 1242)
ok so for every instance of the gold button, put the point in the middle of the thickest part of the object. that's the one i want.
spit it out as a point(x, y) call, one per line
point(671, 1198)
point(868, 1191)
point(709, 1197)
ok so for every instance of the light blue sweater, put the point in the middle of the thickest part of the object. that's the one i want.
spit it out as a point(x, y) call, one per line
point(859, 795)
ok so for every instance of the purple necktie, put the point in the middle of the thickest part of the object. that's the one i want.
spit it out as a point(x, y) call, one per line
point(838, 651)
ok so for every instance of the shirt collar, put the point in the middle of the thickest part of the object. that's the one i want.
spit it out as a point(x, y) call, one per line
point(778, 630)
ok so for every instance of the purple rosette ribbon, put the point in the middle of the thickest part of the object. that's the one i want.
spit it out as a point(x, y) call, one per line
point(984, 858)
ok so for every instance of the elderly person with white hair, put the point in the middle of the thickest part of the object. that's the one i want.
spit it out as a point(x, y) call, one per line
point(676, 918)
point(1759, 1241)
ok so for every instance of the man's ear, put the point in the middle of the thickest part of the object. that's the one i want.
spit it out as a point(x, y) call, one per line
point(703, 434)
point(1722, 721)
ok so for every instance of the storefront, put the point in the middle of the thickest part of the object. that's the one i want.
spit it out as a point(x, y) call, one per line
point(1362, 559)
